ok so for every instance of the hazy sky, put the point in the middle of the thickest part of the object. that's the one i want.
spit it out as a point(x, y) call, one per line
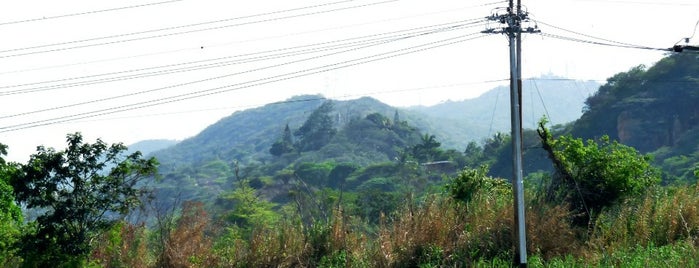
point(154, 69)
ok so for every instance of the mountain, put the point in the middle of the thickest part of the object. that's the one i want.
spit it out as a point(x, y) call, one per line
point(247, 136)
point(561, 100)
point(653, 109)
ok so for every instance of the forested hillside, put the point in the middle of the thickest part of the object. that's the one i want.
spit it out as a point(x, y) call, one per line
point(653, 109)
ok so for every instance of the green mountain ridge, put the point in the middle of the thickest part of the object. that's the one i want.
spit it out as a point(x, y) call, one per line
point(247, 135)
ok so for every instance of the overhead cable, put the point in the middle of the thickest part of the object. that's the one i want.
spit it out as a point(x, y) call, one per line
point(397, 38)
point(75, 43)
point(87, 12)
point(219, 62)
point(248, 84)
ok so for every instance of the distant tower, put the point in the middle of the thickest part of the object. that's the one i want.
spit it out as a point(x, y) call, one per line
point(396, 118)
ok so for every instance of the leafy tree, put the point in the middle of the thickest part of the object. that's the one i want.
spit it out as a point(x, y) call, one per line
point(376, 196)
point(428, 149)
point(318, 129)
point(592, 175)
point(248, 208)
point(472, 180)
point(473, 154)
point(314, 173)
point(339, 174)
point(10, 213)
point(81, 191)
point(284, 145)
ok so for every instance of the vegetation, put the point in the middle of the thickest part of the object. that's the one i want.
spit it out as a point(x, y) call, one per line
point(342, 184)
point(76, 199)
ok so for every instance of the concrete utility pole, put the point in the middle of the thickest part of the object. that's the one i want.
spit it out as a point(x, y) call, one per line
point(513, 19)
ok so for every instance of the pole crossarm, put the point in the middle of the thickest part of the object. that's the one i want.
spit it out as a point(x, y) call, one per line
point(513, 23)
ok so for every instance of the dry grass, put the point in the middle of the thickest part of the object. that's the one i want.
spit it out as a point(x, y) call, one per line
point(122, 246)
point(663, 216)
point(188, 245)
point(550, 233)
point(438, 232)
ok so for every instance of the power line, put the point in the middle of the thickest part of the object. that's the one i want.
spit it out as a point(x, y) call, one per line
point(573, 39)
point(181, 27)
point(637, 2)
point(230, 75)
point(248, 84)
point(251, 40)
point(365, 45)
point(237, 59)
point(587, 35)
point(87, 12)
point(339, 97)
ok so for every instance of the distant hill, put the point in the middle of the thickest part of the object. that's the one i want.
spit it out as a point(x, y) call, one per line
point(246, 136)
point(560, 99)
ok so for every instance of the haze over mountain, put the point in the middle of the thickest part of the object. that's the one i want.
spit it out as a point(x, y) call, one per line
point(459, 122)
point(454, 123)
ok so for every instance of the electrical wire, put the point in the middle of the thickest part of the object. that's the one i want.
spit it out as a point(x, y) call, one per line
point(637, 2)
point(694, 32)
point(573, 39)
point(87, 12)
point(251, 40)
point(212, 63)
point(180, 32)
point(248, 84)
point(586, 35)
point(364, 45)
point(548, 115)
point(346, 96)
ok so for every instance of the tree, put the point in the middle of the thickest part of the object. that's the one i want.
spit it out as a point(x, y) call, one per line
point(318, 129)
point(10, 213)
point(428, 149)
point(249, 209)
point(593, 175)
point(81, 191)
point(284, 145)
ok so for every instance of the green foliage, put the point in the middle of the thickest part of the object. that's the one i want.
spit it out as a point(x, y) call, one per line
point(471, 181)
point(10, 213)
point(81, 191)
point(645, 108)
point(595, 174)
point(315, 174)
point(284, 145)
point(377, 196)
point(248, 209)
point(340, 173)
point(428, 149)
point(318, 129)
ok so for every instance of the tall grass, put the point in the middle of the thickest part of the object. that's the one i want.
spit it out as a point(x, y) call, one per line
point(660, 228)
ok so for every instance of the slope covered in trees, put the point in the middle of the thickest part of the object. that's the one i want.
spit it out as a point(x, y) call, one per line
point(653, 109)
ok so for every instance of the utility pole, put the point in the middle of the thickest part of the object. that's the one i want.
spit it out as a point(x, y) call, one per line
point(513, 20)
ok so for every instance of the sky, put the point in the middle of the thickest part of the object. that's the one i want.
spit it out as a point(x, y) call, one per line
point(132, 70)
